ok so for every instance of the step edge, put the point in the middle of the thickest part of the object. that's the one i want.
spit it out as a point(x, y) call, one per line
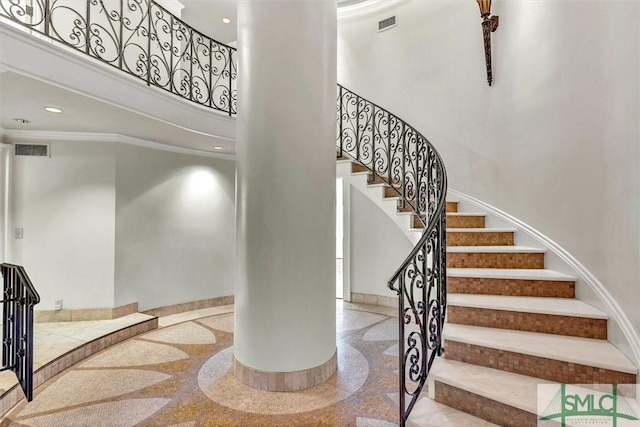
point(595, 314)
point(630, 369)
point(495, 249)
point(481, 230)
point(466, 214)
point(484, 391)
point(490, 273)
point(411, 421)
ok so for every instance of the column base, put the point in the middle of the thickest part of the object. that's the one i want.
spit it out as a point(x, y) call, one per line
point(285, 381)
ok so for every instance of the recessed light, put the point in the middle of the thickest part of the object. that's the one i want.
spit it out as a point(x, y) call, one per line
point(22, 121)
point(226, 20)
point(217, 147)
point(53, 110)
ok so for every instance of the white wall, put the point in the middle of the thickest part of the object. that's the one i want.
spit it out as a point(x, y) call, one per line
point(555, 141)
point(65, 204)
point(106, 224)
point(377, 246)
point(175, 232)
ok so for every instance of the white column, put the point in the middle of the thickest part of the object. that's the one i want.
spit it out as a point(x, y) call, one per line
point(5, 202)
point(285, 191)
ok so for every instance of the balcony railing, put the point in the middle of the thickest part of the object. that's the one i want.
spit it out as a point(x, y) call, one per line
point(141, 38)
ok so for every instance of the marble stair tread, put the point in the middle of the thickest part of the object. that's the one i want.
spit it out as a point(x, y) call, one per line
point(510, 273)
point(466, 214)
point(582, 351)
point(538, 305)
point(481, 230)
point(519, 391)
point(494, 249)
point(429, 413)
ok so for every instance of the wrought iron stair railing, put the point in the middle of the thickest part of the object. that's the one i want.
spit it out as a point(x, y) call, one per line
point(141, 38)
point(397, 154)
point(17, 325)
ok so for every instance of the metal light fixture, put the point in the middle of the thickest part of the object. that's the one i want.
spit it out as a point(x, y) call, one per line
point(489, 25)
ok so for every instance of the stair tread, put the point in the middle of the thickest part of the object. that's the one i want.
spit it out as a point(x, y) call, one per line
point(481, 230)
point(429, 413)
point(509, 273)
point(494, 249)
point(583, 351)
point(519, 391)
point(466, 214)
point(541, 305)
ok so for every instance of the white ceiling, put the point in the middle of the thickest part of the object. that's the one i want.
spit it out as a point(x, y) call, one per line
point(25, 98)
point(206, 16)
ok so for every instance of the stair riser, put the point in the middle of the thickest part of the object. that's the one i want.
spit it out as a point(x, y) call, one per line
point(357, 167)
point(482, 407)
point(512, 287)
point(530, 322)
point(534, 366)
point(491, 238)
point(465, 221)
point(391, 192)
point(495, 260)
point(452, 206)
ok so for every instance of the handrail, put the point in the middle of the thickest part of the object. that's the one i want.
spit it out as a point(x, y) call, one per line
point(402, 158)
point(141, 38)
point(20, 297)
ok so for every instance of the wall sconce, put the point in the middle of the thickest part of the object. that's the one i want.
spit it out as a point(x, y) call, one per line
point(489, 25)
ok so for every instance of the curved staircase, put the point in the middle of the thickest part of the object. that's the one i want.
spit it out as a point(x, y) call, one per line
point(511, 325)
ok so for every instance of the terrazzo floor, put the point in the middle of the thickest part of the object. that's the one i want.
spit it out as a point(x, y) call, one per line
point(180, 375)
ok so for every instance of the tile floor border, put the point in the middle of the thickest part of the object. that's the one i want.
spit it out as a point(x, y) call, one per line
point(14, 395)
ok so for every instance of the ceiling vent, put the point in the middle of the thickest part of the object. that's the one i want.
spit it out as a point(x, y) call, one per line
point(385, 24)
point(41, 150)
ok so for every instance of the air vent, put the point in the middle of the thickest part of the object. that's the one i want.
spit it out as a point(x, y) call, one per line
point(32, 150)
point(385, 24)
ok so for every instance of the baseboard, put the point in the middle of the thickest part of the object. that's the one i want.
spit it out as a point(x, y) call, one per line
point(190, 306)
point(372, 299)
point(77, 315)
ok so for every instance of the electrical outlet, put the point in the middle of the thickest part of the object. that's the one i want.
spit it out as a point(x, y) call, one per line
point(57, 305)
point(19, 232)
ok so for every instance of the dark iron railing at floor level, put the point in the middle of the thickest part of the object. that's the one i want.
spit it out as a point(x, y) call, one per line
point(19, 297)
point(397, 154)
point(141, 38)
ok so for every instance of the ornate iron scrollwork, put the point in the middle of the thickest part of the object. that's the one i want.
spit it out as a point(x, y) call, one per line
point(395, 152)
point(141, 38)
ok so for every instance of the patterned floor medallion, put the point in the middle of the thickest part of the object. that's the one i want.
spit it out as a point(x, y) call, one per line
point(181, 376)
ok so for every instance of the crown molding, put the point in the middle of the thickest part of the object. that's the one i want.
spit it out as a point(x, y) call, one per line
point(15, 136)
point(357, 9)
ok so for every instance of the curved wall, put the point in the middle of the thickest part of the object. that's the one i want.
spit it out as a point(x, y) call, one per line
point(555, 141)
point(107, 224)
